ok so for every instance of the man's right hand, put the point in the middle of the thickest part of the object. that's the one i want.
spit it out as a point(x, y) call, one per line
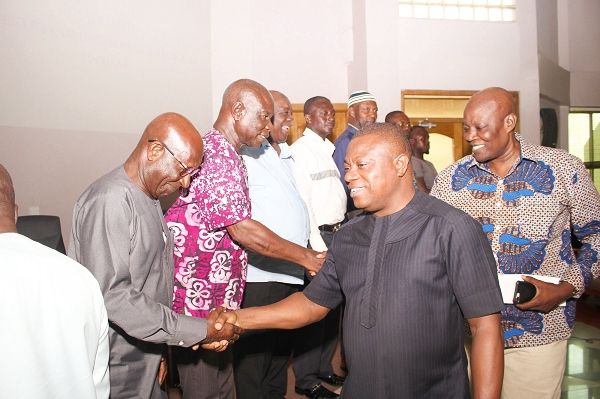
point(313, 261)
point(219, 334)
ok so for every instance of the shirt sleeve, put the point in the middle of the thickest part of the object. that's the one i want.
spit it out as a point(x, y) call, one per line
point(221, 193)
point(472, 268)
point(104, 232)
point(585, 222)
point(324, 289)
point(304, 184)
point(100, 373)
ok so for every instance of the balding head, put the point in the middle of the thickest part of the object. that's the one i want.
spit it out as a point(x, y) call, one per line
point(399, 119)
point(168, 154)
point(378, 169)
point(245, 114)
point(488, 124)
point(8, 209)
point(419, 141)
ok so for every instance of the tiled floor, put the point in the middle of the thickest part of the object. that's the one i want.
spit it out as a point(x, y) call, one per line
point(582, 374)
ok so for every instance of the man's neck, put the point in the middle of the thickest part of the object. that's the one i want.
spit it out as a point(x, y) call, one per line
point(502, 165)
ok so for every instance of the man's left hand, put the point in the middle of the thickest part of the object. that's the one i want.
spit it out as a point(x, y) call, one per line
point(548, 295)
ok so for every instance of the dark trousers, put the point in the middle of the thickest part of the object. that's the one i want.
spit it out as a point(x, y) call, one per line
point(315, 344)
point(205, 374)
point(261, 356)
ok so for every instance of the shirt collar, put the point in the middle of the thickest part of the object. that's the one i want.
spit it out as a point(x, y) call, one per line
point(527, 152)
point(286, 152)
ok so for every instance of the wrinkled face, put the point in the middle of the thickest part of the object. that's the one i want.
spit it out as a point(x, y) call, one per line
point(282, 119)
point(421, 142)
point(486, 129)
point(321, 118)
point(372, 174)
point(254, 124)
point(169, 172)
point(364, 113)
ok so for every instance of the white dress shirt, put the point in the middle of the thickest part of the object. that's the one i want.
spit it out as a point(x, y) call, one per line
point(54, 330)
point(319, 183)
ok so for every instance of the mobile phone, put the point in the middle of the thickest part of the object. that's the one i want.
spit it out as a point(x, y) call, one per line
point(524, 292)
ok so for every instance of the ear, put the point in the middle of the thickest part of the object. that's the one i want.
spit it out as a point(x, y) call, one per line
point(401, 164)
point(154, 151)
point(238, 110)
point(307, 118)
point(510, 121)
point(351, 112)
point(16, 213)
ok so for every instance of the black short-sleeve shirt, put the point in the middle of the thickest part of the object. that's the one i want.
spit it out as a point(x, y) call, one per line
point(409, 279)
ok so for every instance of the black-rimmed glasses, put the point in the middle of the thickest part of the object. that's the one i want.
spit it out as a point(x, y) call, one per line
point(186, 171)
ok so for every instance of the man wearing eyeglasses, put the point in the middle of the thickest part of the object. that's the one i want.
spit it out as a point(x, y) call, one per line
point(119, 234)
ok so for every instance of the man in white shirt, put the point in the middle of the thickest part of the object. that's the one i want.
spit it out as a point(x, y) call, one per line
point(55, 328)
point(321, 189)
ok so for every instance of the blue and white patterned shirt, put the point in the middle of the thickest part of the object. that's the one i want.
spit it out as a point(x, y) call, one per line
point(529, 217)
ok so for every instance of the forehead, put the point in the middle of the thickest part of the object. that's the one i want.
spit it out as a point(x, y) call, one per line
point(399, 118)
point(321, 105)
point(481, 108)
point(366, 104)
point(281, 102)
point(367, 145)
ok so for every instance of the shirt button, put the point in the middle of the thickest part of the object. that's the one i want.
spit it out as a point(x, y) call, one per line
point(180, 343)
point(498, 204)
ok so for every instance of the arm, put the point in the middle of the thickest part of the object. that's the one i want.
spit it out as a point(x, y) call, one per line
point(102, 235)
point(548, 295)
point(487, 356)
point(301, 162)
point(256, 237)
point(292, 312)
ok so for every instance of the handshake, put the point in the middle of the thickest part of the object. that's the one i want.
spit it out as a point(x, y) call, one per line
point(221, 330)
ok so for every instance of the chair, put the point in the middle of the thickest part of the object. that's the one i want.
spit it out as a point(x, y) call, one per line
point(44, 229)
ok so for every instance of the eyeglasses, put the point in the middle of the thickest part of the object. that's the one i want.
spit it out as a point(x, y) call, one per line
point(186, 171)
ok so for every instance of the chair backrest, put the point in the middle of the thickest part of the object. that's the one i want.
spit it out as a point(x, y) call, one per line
point(44, 229)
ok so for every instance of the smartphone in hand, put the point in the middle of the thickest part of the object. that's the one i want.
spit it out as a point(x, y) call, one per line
point(524, 292)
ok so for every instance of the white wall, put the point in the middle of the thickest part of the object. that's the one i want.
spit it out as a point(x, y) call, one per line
point(408, 53)
point(80, 81)
point(300, 48)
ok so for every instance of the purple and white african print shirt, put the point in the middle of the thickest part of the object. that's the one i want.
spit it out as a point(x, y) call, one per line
point(210, 268)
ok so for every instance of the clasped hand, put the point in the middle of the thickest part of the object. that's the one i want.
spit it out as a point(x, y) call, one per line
point(219, 332)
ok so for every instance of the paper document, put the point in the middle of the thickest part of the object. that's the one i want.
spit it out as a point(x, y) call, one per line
point(508, 281)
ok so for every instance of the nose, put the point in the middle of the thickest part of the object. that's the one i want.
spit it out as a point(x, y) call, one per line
point(349, 175)
point(185, 181)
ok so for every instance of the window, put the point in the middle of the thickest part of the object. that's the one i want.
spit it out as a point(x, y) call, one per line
point(468, 10)
point(584, 140)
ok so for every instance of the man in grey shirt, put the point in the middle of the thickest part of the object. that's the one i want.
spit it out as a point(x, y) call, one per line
point(119, 234)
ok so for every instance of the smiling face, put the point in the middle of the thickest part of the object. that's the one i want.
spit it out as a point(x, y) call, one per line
point(254, 122)
point(282, 117)
point(375, 170)
point(488, 123)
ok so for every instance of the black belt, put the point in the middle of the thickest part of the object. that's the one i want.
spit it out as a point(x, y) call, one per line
point(330, 228)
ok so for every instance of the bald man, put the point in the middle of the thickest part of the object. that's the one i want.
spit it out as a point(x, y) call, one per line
point(410, 268)
point(53, 308)
point(118, 233)
point(212, 226)
point(529, 200)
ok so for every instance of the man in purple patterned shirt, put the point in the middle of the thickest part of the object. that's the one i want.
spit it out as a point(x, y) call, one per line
point(212, 224)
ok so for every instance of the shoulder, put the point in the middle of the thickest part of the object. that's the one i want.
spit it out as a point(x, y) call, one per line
point(113, 187)
point(445, 214)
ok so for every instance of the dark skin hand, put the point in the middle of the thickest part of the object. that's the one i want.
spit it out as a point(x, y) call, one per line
point(548, 295)
point(256, 237)
point(218, 335)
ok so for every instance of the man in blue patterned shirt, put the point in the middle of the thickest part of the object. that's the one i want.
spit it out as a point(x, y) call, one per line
point(529, 200)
